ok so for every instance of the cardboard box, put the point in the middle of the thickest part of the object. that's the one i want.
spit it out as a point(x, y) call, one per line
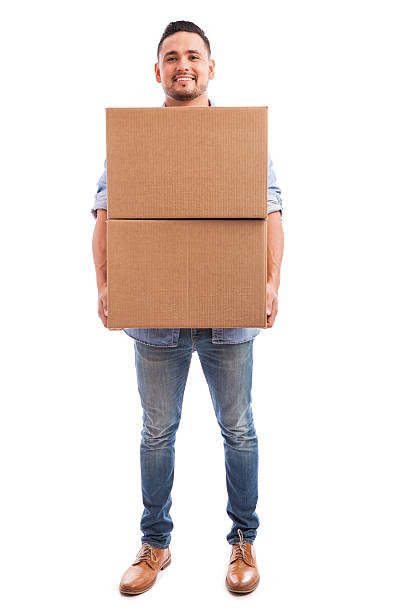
point(179, 162)
point(187, 273)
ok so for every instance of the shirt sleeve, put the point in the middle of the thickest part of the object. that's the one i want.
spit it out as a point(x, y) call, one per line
point(274, 193)
point(101, 197)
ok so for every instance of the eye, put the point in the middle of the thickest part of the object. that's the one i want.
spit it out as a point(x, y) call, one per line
point(195, 57)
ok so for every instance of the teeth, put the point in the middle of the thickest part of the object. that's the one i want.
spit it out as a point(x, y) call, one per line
point(184, 79)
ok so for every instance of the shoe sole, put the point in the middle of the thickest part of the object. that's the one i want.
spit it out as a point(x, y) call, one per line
point(232, 590)
point(126, 592)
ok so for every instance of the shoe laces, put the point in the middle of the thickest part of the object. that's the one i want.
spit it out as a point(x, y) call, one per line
point(238, 549)
point(146, 554)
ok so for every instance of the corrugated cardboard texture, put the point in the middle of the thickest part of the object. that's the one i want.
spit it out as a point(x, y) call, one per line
point(187, 273)
point(178, 162)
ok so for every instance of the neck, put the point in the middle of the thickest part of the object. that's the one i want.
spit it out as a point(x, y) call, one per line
point(200, 101)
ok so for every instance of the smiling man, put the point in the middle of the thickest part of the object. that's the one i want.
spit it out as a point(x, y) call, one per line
point(184, 72)
point(162, 357)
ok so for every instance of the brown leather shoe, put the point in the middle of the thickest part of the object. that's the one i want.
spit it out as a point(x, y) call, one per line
point(242, 574)
point(142, 574)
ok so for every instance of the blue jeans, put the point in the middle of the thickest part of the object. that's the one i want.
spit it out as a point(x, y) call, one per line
point(161, 377)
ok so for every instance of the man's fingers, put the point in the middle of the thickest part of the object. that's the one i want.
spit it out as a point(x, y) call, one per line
point(271, 320)
point(105, 306)
point(272, 314)
point(103, 319)
point(102, 313)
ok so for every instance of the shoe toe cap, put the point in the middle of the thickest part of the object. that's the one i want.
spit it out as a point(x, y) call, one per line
point(242, 580)
point(135, 579)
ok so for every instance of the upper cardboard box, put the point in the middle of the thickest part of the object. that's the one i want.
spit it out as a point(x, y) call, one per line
point(179, 162)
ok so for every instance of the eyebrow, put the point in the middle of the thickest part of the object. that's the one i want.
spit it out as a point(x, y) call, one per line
point(175, 52)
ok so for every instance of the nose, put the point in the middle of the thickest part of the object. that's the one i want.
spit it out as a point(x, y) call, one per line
point(182, 65)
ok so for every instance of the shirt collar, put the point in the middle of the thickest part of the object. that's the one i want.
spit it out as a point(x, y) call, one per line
point(210, 103)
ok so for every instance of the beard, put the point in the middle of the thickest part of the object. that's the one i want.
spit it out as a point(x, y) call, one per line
point(184, 93)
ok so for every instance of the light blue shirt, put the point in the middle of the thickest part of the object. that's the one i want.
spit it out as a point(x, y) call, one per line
point(169, 337)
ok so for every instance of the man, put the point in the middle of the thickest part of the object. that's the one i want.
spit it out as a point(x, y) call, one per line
point(184, 68)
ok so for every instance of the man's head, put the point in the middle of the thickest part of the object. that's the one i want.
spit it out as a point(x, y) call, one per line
point(184, 51)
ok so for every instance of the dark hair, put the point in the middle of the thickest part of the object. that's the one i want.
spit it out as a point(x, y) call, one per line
point(183, 26)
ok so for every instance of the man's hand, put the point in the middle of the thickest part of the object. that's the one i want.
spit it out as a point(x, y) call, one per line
point(274, 250)
point(271, 303)
point(103, 308)
point(103, 305)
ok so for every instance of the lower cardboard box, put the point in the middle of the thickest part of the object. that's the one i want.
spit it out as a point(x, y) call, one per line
point(186, 273)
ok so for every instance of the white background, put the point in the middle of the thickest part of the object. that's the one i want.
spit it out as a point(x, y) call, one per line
point(329, 384)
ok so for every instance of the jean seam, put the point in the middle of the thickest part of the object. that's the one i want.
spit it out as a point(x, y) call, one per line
point(158, 345)
point(240, 342)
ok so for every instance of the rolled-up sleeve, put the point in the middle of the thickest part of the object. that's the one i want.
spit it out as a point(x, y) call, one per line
point(101, 197)
point(274, 193)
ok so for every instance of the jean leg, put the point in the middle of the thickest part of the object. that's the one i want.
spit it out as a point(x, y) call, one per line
point(161, 376)
point(228, 371)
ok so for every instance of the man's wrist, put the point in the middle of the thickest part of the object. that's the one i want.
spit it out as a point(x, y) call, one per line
point(273, 279)
point(101, 284)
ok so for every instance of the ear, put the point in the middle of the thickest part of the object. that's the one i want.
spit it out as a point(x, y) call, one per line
point(211, 66)
point(157, 72)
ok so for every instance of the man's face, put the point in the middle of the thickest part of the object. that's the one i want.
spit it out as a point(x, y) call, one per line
point(184, 54)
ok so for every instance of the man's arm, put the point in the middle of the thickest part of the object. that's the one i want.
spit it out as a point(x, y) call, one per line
point(274, 248)
point(99, 255)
